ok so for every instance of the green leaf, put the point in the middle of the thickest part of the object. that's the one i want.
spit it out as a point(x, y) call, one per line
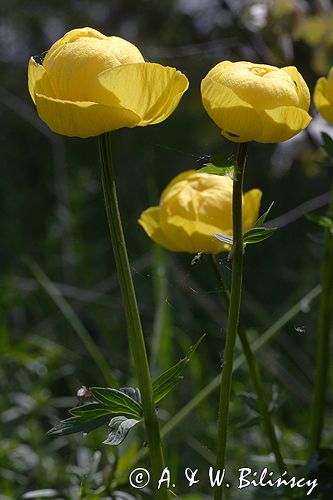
point(328, 143)
point(253, 235)
point(119, 428)
point(262, 219)
point(219, 165)
point(117, 402)
point(72, 425)
point(170, 378)
point(321, 220)
point(224, 238)
point(110, 402)
point(89, 411)
point(213, 169)
point(258, 234)
point(132, 392)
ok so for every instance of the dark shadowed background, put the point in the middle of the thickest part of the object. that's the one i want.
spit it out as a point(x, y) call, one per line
point(52, 211)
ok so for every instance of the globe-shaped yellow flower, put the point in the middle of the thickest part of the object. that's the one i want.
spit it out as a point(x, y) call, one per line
point(323, 96)
point(194, 207)
point(256, 102)
point(88, 84)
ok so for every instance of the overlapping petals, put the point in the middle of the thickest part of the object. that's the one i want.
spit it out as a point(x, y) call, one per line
point(256, 102)
point(194, 207)
point(323, 96)
point(89, 83)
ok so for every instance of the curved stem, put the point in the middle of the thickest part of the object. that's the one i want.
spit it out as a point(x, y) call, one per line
point(324, 327)
point(254, 373)
point(136, 339)
point(233, 314)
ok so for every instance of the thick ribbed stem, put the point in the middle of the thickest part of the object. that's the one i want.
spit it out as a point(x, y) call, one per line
point(136, 339)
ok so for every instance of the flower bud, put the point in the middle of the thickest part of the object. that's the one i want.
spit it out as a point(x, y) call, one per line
point(194, 207)
point(256, 102)
point(323, 96)
point(89, 84)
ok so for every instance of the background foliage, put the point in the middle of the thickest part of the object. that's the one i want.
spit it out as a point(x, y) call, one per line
point(52, 211)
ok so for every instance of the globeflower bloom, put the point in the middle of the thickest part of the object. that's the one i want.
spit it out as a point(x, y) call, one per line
point(194, 207)
point(323, 96)
point(88, 84)
point(256, 102)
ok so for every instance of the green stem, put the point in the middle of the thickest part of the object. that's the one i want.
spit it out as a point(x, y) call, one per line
point(160, 331)
point(324, 327)
point(214, 384)
point(136, 339)
point(254, 373)
point(233, 314)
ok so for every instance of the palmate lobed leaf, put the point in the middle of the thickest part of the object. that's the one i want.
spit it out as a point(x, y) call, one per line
point(170, 378)
point(123, 405)
point(89, 416)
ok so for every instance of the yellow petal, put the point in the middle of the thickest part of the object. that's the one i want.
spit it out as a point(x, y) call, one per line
point(82, 119)
point(150, 90)
point(301, 87)
point(150, 221)
point(73, 67)
point(183, 176)
point(201, 197)
point(260, 85)
point(74, 35)
point(251, 204)
point(280, 124)
point(218, 70)
point(237, 119)
point(192, 236)
point(38, 81)
point(329, 88)
point(320, 93)
point(323, 105)
point(87, 42)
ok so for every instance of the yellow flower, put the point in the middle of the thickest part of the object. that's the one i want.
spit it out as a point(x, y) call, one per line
point(323, 96)
point(89, 83)
point(256, 102)
point(194, 207)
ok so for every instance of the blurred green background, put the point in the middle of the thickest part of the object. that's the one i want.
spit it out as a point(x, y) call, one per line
point(52, 211)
